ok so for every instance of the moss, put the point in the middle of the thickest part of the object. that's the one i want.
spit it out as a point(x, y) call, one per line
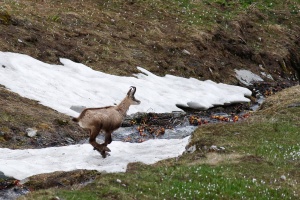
point(61, 122)
point(4, 129)
point(43, 126)
point(5, 18)
point(2, 139)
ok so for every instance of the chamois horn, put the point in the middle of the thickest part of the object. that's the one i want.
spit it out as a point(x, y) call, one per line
point(131, 91)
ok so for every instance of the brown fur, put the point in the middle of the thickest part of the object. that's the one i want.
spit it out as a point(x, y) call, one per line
point(107, 119)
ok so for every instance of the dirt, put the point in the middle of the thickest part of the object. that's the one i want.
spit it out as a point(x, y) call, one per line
point(216, 158)
point(17, 114)
point(76, 178)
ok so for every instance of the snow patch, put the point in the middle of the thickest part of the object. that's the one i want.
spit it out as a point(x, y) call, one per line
point(21, 164)
point(63, 86)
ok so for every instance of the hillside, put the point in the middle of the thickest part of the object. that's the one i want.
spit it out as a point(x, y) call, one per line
point(201, 39)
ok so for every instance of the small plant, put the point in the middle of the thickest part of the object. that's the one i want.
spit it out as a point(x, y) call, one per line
point(54, 18)
point(5, 18)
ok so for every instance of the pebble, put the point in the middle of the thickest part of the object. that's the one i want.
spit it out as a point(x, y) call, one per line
point(78, 109)
point(70, 140)
point(186, 52)
point(222, 148)
point(283, 177)
point(31, 132)
point(192, 149)
point(119, 181)
point(213, 148)
point(294, 105)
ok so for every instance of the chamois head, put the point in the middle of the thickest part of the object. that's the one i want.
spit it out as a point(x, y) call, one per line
point(130, 96)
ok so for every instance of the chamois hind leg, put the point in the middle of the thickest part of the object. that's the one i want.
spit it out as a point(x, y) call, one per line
point(101, 148)
point(108, 139)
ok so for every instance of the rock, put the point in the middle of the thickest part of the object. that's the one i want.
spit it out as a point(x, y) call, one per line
point(78, 109)
point(247, 77)
point(222, 149)
point(70, 140)
point(179, 132)
point(3, 177)
point(186, 52)
point(283, 177)
point(31, 132)
point(213, 148)
point(294, 105)
point(119, 181)
point(192, 149)
point(269, 76)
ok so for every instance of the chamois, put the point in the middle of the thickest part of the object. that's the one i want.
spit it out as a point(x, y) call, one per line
point(106, 119)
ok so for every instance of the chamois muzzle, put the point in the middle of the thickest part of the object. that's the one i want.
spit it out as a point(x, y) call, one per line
point(131, 93)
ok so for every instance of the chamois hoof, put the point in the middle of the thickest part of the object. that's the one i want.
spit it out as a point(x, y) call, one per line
point(104, 154)
point(102, 149)
point(105, 148)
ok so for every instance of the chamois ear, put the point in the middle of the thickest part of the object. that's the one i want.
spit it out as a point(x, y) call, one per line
point(131, 91)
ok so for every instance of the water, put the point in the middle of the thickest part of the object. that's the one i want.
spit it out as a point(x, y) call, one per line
point(13, 193)
point(11, 189)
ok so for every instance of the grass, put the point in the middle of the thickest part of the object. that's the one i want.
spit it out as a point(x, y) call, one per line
point(261, 161)
point(196, 12)
point(179, 182)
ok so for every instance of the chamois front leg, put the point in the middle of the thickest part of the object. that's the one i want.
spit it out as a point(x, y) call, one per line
point(101, 148)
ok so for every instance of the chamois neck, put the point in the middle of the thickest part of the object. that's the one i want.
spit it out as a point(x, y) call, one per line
point(123, 106)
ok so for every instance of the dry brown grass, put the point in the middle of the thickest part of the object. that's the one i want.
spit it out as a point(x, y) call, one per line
point(282, 100)
point(18, 113)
